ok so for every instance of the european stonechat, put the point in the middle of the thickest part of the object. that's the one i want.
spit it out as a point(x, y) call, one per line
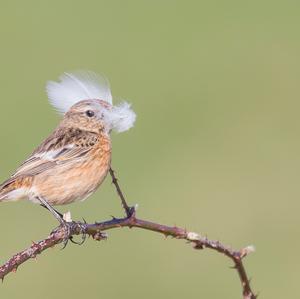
point(74, 160)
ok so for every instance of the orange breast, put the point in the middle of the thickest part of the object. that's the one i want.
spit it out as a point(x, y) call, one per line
point(76, 180)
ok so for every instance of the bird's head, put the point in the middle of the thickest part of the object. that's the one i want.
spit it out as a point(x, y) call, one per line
point(86, 102)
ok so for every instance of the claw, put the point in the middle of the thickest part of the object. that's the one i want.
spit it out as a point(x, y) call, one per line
point(78, 243)
point(83, 232)
point(65, 244)
point(67, 227)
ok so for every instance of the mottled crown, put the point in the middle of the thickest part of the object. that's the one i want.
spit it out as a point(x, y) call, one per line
point(86, 85)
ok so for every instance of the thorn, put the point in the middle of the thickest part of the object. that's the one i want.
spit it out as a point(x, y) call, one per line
point(98, 236)
point(14, 270)
point(198, 246)
point(2, 279)
point(246, 251)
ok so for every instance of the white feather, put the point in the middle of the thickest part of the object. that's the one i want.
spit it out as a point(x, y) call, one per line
point(120, 118)
point(87, 85)
point(77, 86)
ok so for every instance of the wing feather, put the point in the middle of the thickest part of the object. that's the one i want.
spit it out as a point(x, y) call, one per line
point(44, 161)
point(63, 146)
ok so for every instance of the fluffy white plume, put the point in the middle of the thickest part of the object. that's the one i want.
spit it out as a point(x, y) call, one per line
point(120, 118)
point(85, 85)
point(77, 86)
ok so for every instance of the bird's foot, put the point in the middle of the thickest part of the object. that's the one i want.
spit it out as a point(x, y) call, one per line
point(68, 229)
point(82, 228)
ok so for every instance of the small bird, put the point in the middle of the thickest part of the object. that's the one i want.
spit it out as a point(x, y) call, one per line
point(74, 160)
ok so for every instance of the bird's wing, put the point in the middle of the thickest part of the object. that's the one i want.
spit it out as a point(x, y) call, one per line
point(43, 161)
point(57, 149)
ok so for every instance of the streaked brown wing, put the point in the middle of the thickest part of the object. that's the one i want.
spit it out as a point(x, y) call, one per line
point(40, 163)
point(63, 146)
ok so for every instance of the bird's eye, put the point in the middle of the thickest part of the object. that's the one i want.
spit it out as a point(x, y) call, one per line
point(90, 113)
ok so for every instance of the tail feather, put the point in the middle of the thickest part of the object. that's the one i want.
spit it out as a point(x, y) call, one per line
point(5, 189)
point(11, 190)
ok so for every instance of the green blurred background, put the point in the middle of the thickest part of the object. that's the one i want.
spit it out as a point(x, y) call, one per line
point(215, 85)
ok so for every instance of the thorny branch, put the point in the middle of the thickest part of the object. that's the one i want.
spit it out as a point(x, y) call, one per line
point(127, 209)
point(95, 230)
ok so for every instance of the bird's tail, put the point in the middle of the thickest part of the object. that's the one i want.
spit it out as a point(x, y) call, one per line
point(10, 190)
point(4, 191)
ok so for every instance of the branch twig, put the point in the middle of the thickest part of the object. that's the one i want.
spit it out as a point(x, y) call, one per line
point(130, 221)
point(126, 207)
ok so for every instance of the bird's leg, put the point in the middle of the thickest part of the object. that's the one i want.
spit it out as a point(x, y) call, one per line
point(56, 214)
point(59, 217)
point(60, 214)
point(62, 222)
